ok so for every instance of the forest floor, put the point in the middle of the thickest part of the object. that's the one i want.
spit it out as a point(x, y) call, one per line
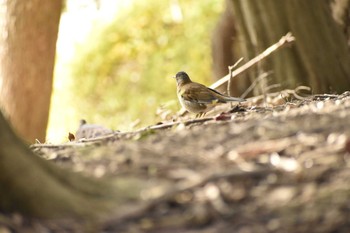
point(276, 163)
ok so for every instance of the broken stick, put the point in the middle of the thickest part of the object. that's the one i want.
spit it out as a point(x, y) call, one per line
point(287, 39)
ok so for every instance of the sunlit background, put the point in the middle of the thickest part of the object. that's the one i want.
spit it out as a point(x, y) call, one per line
point(115, 60)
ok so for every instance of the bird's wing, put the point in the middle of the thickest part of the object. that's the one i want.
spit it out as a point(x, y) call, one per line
point(198, 93)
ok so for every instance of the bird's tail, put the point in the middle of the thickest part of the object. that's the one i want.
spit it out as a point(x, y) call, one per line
point(225, 98)
point(233, 99)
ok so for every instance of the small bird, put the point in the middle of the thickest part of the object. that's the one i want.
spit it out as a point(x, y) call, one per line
point(196, 97)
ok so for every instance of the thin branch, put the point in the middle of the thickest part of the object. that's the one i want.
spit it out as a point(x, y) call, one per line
point(255, 82)
point(117, 134)
point(230, 70)
point(229, 81)
point(287, 39)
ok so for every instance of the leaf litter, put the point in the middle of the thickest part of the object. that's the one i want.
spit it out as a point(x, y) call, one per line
point(258, 167)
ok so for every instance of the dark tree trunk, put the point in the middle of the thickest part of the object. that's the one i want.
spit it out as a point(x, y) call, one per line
point(27, 52)
point(320, 57)
point(222, 42)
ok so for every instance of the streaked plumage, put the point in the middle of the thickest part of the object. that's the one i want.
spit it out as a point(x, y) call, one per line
point(196, 97)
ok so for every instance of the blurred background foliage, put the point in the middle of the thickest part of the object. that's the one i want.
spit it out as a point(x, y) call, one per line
point(121, 72)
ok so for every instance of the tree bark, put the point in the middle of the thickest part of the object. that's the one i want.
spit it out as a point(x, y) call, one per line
point(341, 15)
point(38, 188)
point(27, 52)
point(224, 51)
point(222, 42)
point(320, 57)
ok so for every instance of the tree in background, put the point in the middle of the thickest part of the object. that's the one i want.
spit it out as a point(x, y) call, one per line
point(27, 52)
point(320, 58)
point(224, 33)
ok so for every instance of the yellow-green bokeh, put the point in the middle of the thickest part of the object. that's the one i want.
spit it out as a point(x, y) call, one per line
point(122, 71)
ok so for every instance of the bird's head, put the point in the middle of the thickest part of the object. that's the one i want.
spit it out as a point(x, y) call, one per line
point(182, 78)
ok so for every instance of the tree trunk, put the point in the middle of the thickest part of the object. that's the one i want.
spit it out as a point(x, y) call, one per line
point(341, 15)
point(320, 57)
point(27, 52)
point(222, 46)
point(38, 188)
point(32, 186)
point(224, 51)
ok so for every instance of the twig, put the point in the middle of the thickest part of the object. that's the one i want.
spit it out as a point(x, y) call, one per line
point(288, 92)
point(287, 39)
point(230, 70)
point(277, 85)
point(229, 81)
point(87, 141)
point(300, 88)
point(255, 82)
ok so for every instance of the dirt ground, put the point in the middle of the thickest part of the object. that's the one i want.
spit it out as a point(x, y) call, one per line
point(278, 163)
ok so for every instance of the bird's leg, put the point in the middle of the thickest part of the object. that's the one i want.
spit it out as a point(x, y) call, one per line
point(200, 115)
